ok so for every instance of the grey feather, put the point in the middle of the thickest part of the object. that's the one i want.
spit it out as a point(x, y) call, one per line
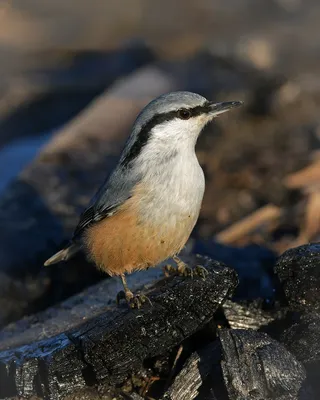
point(113, 193)
point(63, 255)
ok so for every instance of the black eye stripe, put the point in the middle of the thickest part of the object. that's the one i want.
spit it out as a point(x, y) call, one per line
point(144, 134)
point(198, 110)
point(184, 114)
point(204, 109)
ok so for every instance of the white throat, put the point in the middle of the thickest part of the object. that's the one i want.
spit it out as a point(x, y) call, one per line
point(170, 169)
point(170, 139)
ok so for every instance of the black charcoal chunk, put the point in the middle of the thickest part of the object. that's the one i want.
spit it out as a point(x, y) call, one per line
point(256, 367)
point(299, 272)
point(303, 340)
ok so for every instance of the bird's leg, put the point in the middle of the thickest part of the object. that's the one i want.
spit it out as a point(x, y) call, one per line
point(134, 301)
point(127, 294)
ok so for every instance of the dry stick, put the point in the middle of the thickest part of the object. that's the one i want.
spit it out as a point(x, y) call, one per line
point(307, 179)
point(311, 221)
point(304, 178)
point(249, 224)
point(173, 368)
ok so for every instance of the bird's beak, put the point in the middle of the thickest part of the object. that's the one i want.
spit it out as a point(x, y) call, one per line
point(219, 108)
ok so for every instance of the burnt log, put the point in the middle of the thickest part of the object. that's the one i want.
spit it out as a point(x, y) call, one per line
point(198, 366)
point(241, 364)
point(107, 348)
point(256, 367)
point(303, 340)
point(250, 315)
point(299, 272)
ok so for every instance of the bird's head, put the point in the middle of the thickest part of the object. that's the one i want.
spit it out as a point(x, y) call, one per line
point(172, 122)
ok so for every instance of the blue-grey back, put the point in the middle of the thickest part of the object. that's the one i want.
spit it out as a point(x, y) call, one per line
point(116, 189)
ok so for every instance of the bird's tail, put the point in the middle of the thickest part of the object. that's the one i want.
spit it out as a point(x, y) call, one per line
point(63, 255)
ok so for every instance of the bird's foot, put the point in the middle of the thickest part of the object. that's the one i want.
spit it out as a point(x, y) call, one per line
point(184, 270)
point(133, 301)
point(201, 271)
point(169, 270)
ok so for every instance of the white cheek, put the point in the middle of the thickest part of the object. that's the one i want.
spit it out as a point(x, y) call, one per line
point(178, 131)
point(171, 138)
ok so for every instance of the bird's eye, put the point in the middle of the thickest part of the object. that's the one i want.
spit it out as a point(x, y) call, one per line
point(184, 114)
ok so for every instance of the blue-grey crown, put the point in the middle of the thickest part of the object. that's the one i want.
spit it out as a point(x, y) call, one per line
point(168, 102)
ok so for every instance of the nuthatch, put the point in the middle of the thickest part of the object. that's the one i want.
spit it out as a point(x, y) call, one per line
point(147, 207)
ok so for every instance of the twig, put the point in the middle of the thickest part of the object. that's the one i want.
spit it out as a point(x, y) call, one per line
point(249, 224)
point(173, 368)
point(305, 177)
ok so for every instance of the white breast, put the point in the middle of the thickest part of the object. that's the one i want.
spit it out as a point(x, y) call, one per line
point(174, 191)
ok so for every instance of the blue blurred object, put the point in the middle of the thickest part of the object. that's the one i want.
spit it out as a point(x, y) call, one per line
point(68, 86)
point(253, 263)
point(17, 154)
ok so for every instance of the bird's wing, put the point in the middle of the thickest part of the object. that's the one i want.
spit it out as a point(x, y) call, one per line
point(91, 215)
point(111, 195)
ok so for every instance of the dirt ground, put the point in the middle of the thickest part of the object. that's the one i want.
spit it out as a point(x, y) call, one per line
point(246, 158)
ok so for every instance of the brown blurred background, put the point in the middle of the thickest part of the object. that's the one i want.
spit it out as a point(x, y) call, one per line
point(73, 76)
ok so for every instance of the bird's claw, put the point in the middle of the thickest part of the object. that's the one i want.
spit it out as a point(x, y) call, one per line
point(185, 271)
point(138, 300)
point(182, 270)
point(133, 301)
point(169, 270)
point(201, 271)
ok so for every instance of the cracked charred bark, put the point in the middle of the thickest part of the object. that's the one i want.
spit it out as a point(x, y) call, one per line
point(109, 347)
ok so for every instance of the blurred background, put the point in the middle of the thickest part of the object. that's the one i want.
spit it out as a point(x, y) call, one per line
point(74, 75)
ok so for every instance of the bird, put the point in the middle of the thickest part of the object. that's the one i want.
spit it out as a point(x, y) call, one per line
point(147, 207)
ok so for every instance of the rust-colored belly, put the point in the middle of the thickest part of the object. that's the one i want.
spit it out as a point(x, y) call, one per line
point(121, 243)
